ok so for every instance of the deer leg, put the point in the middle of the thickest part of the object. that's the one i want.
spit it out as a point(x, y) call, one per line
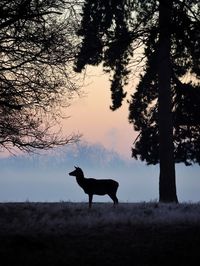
point(114, 198)
point(90, 200)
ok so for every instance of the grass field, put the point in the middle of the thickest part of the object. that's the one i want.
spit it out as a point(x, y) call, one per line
point(71, 234)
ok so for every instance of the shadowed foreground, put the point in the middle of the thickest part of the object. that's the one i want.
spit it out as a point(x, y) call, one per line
point(70, 234)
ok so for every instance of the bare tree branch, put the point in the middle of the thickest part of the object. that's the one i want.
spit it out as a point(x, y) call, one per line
point(37, 47)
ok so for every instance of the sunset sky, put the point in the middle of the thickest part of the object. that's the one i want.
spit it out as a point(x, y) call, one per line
point(91, 115)
point(103, 152)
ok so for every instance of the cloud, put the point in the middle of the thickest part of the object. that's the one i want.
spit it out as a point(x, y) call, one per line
point(113, 137)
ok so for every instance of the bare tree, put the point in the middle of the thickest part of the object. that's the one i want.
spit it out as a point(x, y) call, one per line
point(37, 48)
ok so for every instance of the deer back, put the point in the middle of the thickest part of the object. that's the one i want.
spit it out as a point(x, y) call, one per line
point(98, 187)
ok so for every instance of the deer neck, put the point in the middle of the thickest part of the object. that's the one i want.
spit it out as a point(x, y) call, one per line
point(80, 180)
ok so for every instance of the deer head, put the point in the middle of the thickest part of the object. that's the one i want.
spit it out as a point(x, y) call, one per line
point(77, 172)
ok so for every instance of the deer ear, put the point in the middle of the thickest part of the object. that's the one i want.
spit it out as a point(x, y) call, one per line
point(75, 167)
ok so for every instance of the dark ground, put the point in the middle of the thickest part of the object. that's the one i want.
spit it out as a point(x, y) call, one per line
point(122, 245)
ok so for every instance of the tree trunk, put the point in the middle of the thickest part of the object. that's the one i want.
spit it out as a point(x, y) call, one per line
point(167, 183)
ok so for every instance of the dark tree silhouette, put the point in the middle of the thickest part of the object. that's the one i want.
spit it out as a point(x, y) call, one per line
point(165, 121)
point(165, 106)
point(37, 47)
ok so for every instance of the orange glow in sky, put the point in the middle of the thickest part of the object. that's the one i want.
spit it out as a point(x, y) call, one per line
point(91, 116)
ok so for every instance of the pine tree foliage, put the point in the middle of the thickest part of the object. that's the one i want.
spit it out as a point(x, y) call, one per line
point(185, 90)
point(112, 32)
point(107, 38)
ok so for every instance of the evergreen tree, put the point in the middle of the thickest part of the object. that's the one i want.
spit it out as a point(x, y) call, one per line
point(165, 107)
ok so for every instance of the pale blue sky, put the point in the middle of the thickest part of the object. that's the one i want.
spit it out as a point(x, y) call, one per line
point(45, 177)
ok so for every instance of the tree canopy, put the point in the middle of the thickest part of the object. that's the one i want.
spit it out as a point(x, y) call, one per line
point(37, 48)
point(125, 33)
point(185, 90)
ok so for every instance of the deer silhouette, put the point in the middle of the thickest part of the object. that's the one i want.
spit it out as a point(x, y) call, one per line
point(93, 186)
